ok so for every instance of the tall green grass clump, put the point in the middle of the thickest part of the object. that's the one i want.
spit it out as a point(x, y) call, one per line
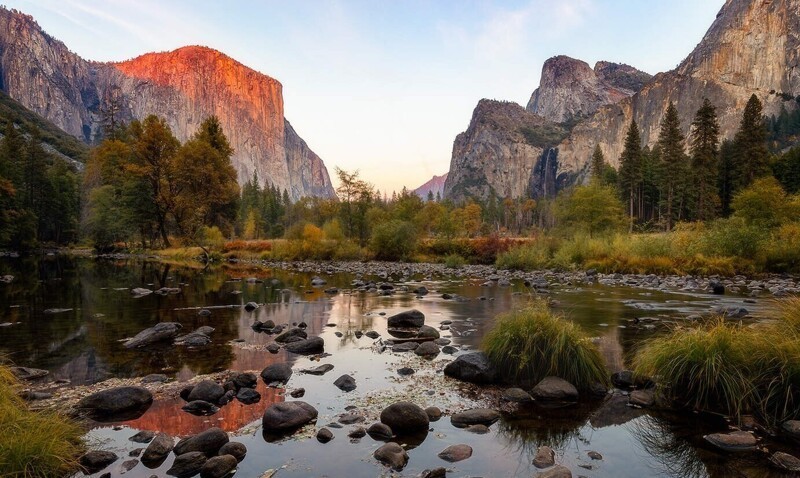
point(529, 344)
point(34, 444)
point(526, 257)
point(703, 367)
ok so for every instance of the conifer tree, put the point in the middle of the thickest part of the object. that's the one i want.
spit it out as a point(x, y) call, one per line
point(630, 171)
point(751, 159)
point(598, 162)
point(673, 164)
point(705, 157)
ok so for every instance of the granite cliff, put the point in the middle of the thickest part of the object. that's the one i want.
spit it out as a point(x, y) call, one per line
point(184, 86)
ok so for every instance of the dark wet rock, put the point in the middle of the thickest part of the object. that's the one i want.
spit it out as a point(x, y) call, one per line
point(473, 367)
point(545, 457)
point(320, 370)
point(357, 432)
point(276, 373)
point(96, 460)
point(427, 332)
point(594, 455)
point(372, 334)
point(115, 404)
point(207, 391)
point(318, 281)
point(405, 347)
point(312, 345)
point(380, 431)
point(248, 396)
point(235, 449)
point(405, 371)
point(218, 466)
point(185, 391)
point(733, 441)
point(200, 408)
point(614, 411)
point(477, 429)
point(28, 373)
point(144, 436)
point(785, 461)
point(158, 333)
point(157, 451)
point(155, 378)
point(557, 471)
point(623, 379)
point(442, 341)
point(324, 435)
point(642, 398)
point(273, 348)
point(455, 453)
point(597, 389)
point(297, 393)
point(56, 311)
point(427, 349)
point(245, 380)
point(554, 389)
point(193, 339)
point(291, 334)
point(421, 290)
point(475, 416)
point(408, 318)
point(138, 292)
point(440, 472)
point(32, 395)
point(449, 350)
point(127, 466)
point(208, 442)
point(516, 395)
point(187, 464)
point(405, 417)
point(731, 312)
point(791, 428)
point(434, 414)
point(285, 417)
point(227, 398)
point(250, 306)
point(345, 383)
point(717, 288)
point(204, 313)
point(350, 418)
point(447, 296)
point(332, 290)
point(392, 455)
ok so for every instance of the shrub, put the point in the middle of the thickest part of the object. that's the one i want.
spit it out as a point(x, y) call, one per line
point(211, 238)
point(703, 367)
point(782, 253)
point(393, 240)
point(734, 237)
point(35, 444)
point(532, 343)
point(527, 257)
point(454, 261)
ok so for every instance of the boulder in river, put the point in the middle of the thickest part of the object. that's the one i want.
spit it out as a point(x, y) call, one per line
point(403, 417)
point(785, 461)
point(454, 453)
point(345, 383)
point(200, 408)
point(427, 349)
point(277, 373)
point(96, 460)
point(207, 391)
point(208, 442)
point(248, 396)
point(138, 292)
point(324, 435)
point(115, 404)
point(555, 389)
point(733, 441)
point(284, 417)
point(158, 450)
point(319, 370)
point(235, 449)
point(28, 373)
point(473, 367)
point(218, 466)
point(516, 395)
point(545, 457)
point(392, 455)
point(380, 431)
point(475, 416)
point(557, 471)
point(157, 333)
point(309, 346)
point(290, 335)
point(408, 318)
point(187, 464)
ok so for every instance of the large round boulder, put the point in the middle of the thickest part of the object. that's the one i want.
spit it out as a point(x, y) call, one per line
point(555, 389)
point(404, 417)
point(187, 465)
point(313, 345)
point(475, 416)
point(218, 466)
point(115, 404)
point(207, 391)
point(283, 417)
point(392, 455)
point(276, 373)
point(208, 442)
point(473, 367)
point(158, 450)
point(96, 460)
point(408, 318)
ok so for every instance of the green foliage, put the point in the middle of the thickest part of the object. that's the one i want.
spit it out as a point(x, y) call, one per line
point(532, 343)
point(35, 444)
point(525, 257)
point(674, 166)
point(787, 170)
point(703, 367)
point(593, 209)
point(764, 204)
point(394, 240)
point(454, 261)
point(631, 171)
point(545, 135)
point(704, 151)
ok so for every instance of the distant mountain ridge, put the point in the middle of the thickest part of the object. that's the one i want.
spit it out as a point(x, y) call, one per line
point(184, 86)
point(435, 186)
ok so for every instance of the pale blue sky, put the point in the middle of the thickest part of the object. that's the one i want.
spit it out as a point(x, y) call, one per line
point(379, 86)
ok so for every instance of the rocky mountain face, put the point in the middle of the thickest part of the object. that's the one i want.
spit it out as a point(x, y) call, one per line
point(497, 153)
point(569, 89)
point(435, 186)
point(753, 47)
point(184, 86)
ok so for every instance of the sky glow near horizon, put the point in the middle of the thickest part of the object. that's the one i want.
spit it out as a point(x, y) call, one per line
point(384, 87)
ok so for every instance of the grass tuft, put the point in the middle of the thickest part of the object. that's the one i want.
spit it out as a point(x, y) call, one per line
point(532, 343)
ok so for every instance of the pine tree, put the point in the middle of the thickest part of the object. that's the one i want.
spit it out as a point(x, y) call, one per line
point(725, 179)
point(598, 162)
point(630, 171)
point(705, 157)
point(751, 159)
point(673, 164)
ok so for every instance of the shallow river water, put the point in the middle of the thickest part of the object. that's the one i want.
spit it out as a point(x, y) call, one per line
point(80, 344)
